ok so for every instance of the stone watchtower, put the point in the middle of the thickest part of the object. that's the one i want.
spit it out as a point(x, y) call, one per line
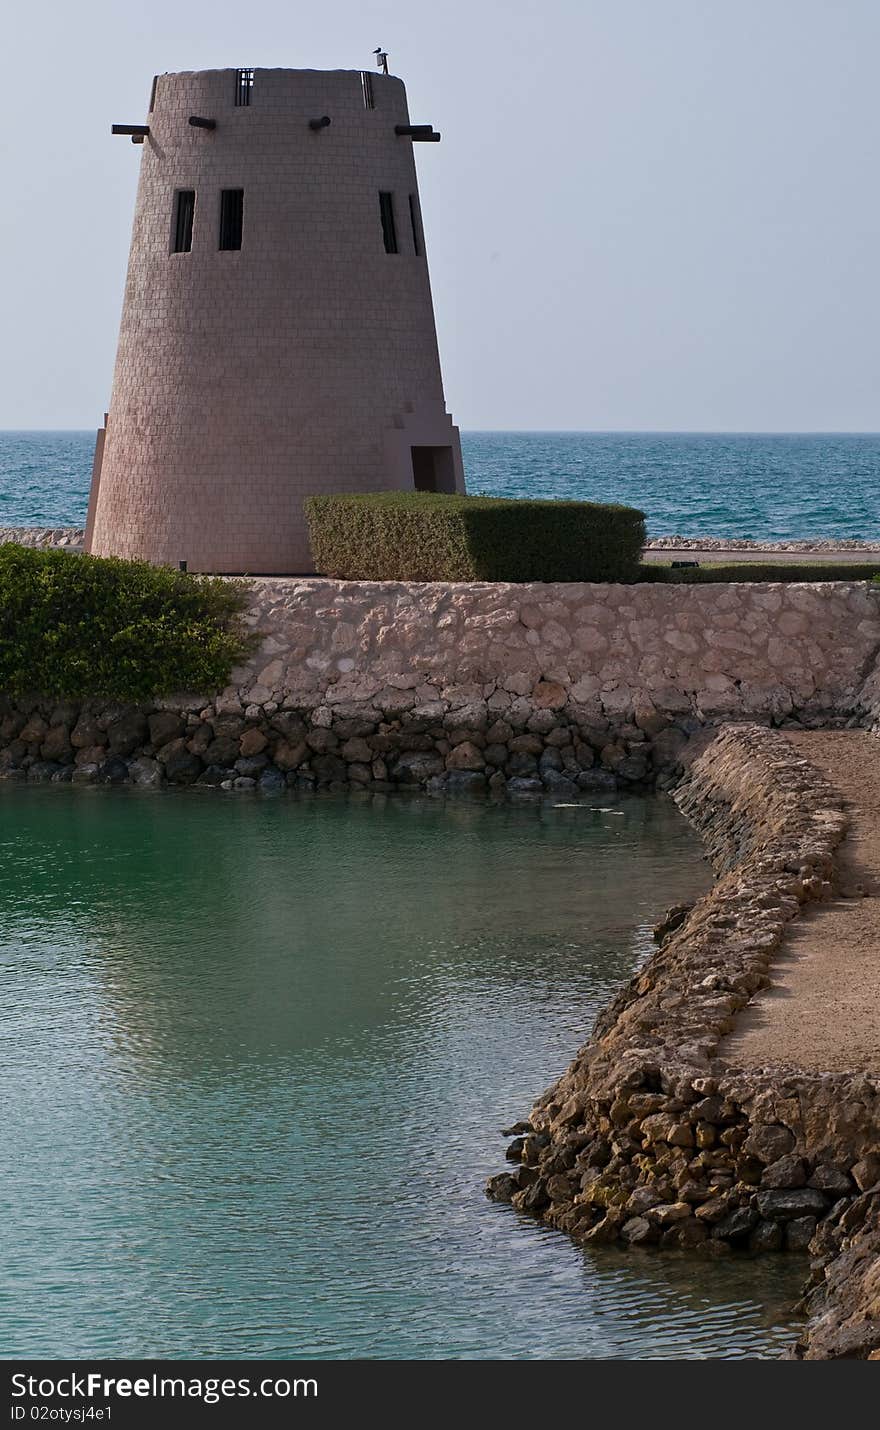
point(277, 335)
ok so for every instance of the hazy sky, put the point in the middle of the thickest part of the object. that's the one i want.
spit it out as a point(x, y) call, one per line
point(643, 214)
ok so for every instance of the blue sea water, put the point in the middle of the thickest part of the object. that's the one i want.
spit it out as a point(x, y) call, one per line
point(762, 487)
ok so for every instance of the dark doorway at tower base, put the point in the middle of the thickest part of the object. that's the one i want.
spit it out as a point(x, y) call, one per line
point(433, 469)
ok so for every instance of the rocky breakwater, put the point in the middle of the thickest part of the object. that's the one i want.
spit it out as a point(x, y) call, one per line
point(649, 1138)
point(820, 545)
point(843, 1301)
point(843, 1298)
point(43, 536)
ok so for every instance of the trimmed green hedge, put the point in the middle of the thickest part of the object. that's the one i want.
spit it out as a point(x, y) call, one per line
point(420, 536)
point(75, 626)
point(763, 571)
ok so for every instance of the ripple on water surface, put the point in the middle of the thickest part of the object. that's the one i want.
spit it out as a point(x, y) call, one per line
point(256, 1056)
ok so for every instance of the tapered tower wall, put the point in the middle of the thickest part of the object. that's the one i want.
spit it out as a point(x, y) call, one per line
point(304, 361)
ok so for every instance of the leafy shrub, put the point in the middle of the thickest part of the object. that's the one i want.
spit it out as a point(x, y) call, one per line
point(421, 536)
point(74, 626)
point(763, 571)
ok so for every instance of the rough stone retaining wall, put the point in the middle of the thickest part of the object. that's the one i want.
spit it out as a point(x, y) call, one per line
point(471, 688)
point(514, 690)
point(649, 1137)
point(704, 651)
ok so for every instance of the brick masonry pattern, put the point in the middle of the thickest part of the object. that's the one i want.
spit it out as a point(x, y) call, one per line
point(247, 380)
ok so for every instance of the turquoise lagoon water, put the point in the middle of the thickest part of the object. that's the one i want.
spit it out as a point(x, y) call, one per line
point(256, 1055)
point(692, 484)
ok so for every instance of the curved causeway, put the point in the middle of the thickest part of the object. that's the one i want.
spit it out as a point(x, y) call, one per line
point(821, 1010)
point(708, 1113)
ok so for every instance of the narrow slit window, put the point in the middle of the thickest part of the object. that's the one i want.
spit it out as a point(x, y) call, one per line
point(414, 225)
point(244, 84)
point(389, 227)
point(367, 86)
point(231, 215)
point(184, 209)
point(153, 93)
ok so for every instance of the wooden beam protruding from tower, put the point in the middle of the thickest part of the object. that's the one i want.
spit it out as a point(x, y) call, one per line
point(198, 123)
point(139, 131)
point(418, 133)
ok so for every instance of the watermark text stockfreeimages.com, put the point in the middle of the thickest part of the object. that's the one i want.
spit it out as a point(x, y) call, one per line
point(210, 1390)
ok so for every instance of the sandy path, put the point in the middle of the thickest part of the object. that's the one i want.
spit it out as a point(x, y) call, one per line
point(823, 1009)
